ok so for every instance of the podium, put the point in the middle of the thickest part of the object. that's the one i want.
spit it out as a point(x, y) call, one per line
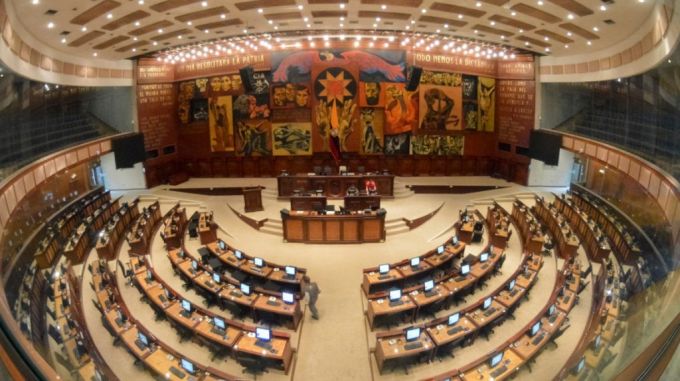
point(252, 198)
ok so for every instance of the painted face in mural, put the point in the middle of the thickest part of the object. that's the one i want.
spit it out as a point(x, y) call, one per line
point(279, 96)
point(290, 92)
point(302, 97)
point(236, 82)
point(393, 92)
point(372, 93)
point(226, 83)
point(215, 84)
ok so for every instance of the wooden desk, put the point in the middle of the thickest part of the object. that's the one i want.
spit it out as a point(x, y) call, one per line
point(422, 300)
point(228, 340)
point(393, 347)
point(207, 228)
point(525, 347)
point(507, 299)
point(160, 361)
point(477, 316)
point(379, 308)
point(311, 227)
point(87, 372)
point(511, 360)
point(566, 302)
point(281, 351)
point(276, 306)
point(362, 202)
point(552, 327)
point(465, 231)
point(440, 335)
point(333, 186)
point(308, 202)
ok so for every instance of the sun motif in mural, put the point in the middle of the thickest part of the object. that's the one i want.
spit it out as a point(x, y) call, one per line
point(335, 85)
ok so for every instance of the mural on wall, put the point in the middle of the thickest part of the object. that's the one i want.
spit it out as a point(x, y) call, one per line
point(401, 109)
point(253, 137)
point(251, 107)
point(292, 139)
point(486, 99)
point(374, 65)
point(221, 124)
point(438, 145)
point(370, 94)
point(441, 109)
point(470, 109)
point(372, 120)
point(226, 84)
point(335, 93)
point(290, 95)
point(440, 78)
point(399, 144)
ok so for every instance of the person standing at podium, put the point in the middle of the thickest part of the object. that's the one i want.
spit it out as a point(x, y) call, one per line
point(371, 188)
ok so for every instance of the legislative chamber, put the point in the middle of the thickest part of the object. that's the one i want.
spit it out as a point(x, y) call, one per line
point(371, 190)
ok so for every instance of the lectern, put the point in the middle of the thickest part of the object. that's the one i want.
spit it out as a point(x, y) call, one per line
point(252, 198)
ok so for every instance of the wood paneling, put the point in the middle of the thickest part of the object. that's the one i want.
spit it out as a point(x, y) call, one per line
point(458, 10)
point(396, 3)
point(442, 21)
point(171, 4)
point(554, 36)
point(151, 28)
point(284, 16)
point(131, 46)
point(533, 41)
point(127, 19)
point(535, 13)
point(496, 31)
point(573, 6)
point(216, 11)
point(497, 3)
point(111, 42)
point(95, 11)
point(219, 24)
point(166, 36)
point(512, 22)
point(84, 39)
point(322, 14)
point(579, 31)
point(247, 5)
point(385, 15)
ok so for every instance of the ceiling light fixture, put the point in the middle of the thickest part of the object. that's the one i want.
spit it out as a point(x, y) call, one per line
point(50, 25)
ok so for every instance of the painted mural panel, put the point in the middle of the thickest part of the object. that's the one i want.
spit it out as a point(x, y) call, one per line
point(441, 109)
point(291, 139)
point(221, 124)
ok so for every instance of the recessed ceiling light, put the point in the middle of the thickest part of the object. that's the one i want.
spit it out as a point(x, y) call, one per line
point(570, 16)
point(566, 46)
point(35, 2)
point(301, 7)
point(493, 23)
point(569, 34)
point(137, 23)
point(513, 13)
point(446, 26)
point(50, 25)
point(342, 5)
point(377, 19)
point(413, 22)
point(460, 16)
point(94, 54)
point(155, 43)
point(521, 30)
point(669, 60)
point(547, 49)
point(545, 38)
point(259, 10)
point(540, 2)
point(84, 29)
point(160, 30)
point(596, 29)
point(140, 2)
point(63, 40)
point(134, 49)
point(383, 7)
point(189, 23)
point(134, 38)
point(223, 16)
point(603, 7)
point(270, 22)
point(478, 4)
point(109, 16)
point(204, 3)
point(423, 10)
point(589, 43)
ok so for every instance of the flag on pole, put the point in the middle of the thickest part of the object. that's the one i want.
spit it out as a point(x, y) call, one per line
point(334, 141)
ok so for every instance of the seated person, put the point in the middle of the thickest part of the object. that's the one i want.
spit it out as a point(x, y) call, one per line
point(352, 190)
point(371, 188)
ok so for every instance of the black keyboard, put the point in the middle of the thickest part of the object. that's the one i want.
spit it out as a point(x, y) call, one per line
point(498, 371)
point(120, 322)
point(384, 276)
point(263, 344)
point(460, 278)
point(163, 298)
point(235, 294)
point(566, 299)
point(485, 266)
point(273, 303)
point(394, 303)
point(514, 292)
point(177, 372)
point(413, 345)
point(185, 314)
point(256, 269)
point(454, 330)
point(553, 318)
point(538, 338)
point(430, 293)
point(489, 311)
point(289, 277)
point(140, 345)
point(218, 331)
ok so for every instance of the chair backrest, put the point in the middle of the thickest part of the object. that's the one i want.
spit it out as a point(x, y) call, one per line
point(361, 169)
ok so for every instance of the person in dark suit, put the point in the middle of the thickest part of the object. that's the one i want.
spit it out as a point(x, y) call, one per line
point(313, 290)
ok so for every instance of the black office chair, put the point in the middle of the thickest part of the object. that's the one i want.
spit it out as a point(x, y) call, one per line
point(253, 365)
point(317, 170)
point(361, 169)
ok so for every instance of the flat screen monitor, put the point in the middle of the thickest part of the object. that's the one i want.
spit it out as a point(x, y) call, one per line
point(453, 319)
point(484, 257)
point(120, 315)
point(535, 328)
point(238, 254)
point(551, 310)
point(597, 342)
point(143, 339)
point(259, 262)
point(487, 303)
point(429, 285)
point(384, 269)
point(291, 270)
point(167, 293)
point(263, 334)
point(149, 275)
point(188, 366)
point(496, 359)
point(412, 333)
point(219, 323)
point(216, 278)
point(511, 285)
point(415, 262)
point(465, 269)
point(440, 249)
point(288, 297)
point(222, 245)
point(454, 240)
point(395, 294)
point(581, 364)
point(186, 305)
point(245, 289)
point(194, 265)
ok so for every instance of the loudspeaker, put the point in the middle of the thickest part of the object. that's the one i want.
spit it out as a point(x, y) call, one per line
point(413, 78)
point(247, 79)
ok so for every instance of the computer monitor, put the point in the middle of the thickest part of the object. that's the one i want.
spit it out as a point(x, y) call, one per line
point(440, 249)
point(245, 289)
point(291, 270)
point(238, 254)
point(597, 342)
point(219, 323)
point(395, 295)
point(149, 275)
point(288, 297)
point(186, 305)
point(187, 365)
point(453, 319)
point(487, 303)
point(429, 285)
point(511, 285)
point(535, 328)
point(121, 317)
point(415, 261)
point(454, 240)
point(496, 359)
point(222, 246)
point(143, 339)
point(412, 333)
point(263, 334)
point(581, 364)
point(384, 269)
point(194, 265)
point(216, 278)
point(259, 262)
point(465, 269)
point(484, 257)
point(551, 310)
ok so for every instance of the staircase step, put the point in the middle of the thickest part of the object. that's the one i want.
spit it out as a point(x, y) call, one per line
point(400, 230)
point(267, 230)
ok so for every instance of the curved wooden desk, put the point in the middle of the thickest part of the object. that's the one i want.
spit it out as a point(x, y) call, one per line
point(311, 227)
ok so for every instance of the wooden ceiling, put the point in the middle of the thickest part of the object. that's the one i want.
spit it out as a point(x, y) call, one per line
point(127, 28)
